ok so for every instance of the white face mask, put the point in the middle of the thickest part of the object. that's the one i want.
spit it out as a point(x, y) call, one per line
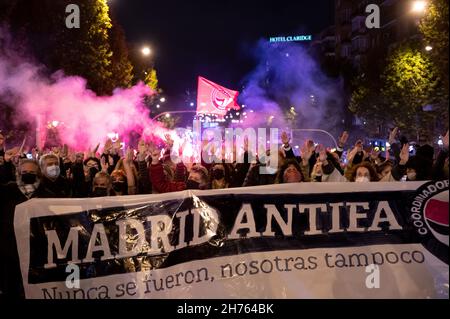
point(53, 171)
point(362, 179)
point(411, 176)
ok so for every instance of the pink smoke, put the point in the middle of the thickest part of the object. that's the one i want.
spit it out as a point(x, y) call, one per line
point(84, 119)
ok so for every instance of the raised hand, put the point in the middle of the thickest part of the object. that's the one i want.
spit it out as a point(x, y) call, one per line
point(317, 169)
point(285, 139)
point(393, 135)
point(322, 153)
point(108, 146)
point(142, 150)
point(306, 151)
point(245, 144)
point(168, 140)
point(129, 156)
point(155, 153)
point(445, 140)
point(404, 154)
point(9, 154)
point(117, 146)
point(343, 139)
point(110, 161)
point(65, 151)
point(34, 153)
point(358, 148)
point(56, 150)
point(95, 149)
point(69, 174)
point(104, 165)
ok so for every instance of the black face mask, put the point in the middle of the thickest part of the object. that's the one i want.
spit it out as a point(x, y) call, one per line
point(190, 184)
point(92, 172)
point(28, 178)
point(100, 192)
point(119, 187)
point(218, 174)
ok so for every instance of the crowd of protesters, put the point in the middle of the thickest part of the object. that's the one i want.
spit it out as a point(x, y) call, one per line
point(58, 173)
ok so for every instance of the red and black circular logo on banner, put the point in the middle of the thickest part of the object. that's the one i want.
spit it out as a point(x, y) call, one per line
point(429, 217)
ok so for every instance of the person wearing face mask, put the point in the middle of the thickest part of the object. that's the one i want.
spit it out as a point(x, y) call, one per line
point(363, 173)
point(198, 178)
point(53, 184)
point(415, 168)
point(83, 172)
point(26, 186)
point(119, 182)
point(220, 176)
point(101, 185)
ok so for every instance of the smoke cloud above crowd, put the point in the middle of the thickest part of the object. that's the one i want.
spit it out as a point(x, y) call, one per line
point(287, 79)
point(83, 118)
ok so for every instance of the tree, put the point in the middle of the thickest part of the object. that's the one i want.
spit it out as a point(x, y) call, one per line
point(369, 105)
point(151, 79)
point(121, 68)
point(434, 28)
point(86, 51)
point(170, 122)
point(411, 82)
point(97, 51)
point(408, 86)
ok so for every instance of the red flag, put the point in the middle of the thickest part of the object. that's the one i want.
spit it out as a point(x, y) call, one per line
point(215, 99)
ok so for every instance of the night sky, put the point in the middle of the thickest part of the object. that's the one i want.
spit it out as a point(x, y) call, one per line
point(212, 38)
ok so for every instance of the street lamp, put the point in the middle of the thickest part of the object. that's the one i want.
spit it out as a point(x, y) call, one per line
point(428, 48)
point(419, 6)
point(146, 51)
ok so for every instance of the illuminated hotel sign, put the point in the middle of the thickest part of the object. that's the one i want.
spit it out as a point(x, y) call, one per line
point(296, 38)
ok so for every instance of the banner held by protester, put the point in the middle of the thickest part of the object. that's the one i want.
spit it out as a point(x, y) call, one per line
point(325, 240)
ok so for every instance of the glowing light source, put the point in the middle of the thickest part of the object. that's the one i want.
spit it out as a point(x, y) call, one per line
point(55, 123)
point(163, 99)
point(419, 6)
point(146, 51)
point(158, 106)
point(428, 48)
point(192, 104)
point(168, 115)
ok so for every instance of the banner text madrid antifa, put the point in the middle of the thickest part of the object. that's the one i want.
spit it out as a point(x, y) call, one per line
point(279, 241)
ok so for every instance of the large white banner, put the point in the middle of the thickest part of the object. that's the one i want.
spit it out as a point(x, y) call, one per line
point(318, 240)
